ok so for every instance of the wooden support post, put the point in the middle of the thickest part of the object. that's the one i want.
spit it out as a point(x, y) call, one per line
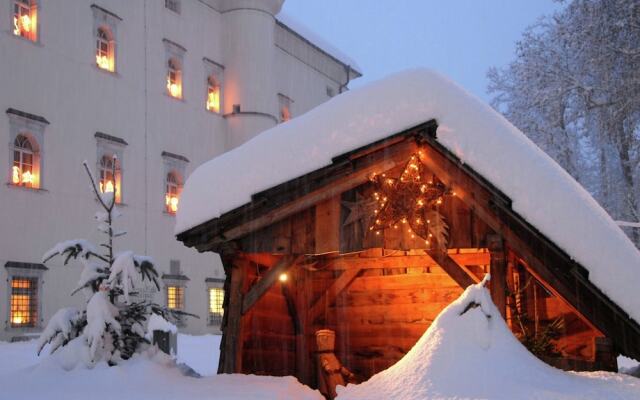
point(462, 275)
point(303, 357)
point(264, 284)
point(233, 331)
point(605, 356)
point(498, 271)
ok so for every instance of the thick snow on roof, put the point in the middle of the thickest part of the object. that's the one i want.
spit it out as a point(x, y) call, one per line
point(470, 353)
point(318, 41)
point(541, 191)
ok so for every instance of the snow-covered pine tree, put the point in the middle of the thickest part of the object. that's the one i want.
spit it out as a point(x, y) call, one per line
point(112, 327)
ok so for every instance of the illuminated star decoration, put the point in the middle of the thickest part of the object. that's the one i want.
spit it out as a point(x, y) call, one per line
point(407, 202)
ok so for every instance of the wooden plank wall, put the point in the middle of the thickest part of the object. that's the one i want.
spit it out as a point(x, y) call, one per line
point(382, 313)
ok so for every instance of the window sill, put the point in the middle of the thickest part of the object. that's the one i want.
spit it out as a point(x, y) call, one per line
point(107, 72)
point(26, 329)
point(22, 39)
point(28, 189)
point(180, 99)
point(217, 114)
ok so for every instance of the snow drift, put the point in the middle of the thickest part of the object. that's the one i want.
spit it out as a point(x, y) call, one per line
point(540, 190)
point(469, 352)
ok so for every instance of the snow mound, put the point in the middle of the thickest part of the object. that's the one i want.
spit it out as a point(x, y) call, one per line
point(150, 376)
point(469, 352)
point(541, 191)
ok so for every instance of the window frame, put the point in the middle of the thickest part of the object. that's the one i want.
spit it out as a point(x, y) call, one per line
point(31, 7)
point(106, 170)
point(215, 299)
point(173, 164)
point(32, 127)
point(22, 151)
point(174, 78)
point(110, 146)
point(176, 279)
point(214, 78)
point(108, 22)
point(35, 273)
point(174, 64)
point(284, 108)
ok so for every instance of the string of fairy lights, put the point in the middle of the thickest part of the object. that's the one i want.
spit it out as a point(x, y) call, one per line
point(407, 201)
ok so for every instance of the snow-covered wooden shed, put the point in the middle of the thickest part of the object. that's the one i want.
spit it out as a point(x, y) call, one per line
point(372, 212)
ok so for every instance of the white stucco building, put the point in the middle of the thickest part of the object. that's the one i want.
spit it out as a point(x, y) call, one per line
point(164, 86)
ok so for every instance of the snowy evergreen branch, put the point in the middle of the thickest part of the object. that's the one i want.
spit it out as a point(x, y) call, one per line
point(114, 325)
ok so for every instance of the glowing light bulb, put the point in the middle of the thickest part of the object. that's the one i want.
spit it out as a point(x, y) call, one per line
point(283, 277)
point(15, 175)
point(174, 204)
point(25, 21)
point(213, 100)
point(106, 187)
point(103, 62)
point(27, 177)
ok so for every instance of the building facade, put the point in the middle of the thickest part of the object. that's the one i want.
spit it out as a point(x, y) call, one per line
point(156, 87)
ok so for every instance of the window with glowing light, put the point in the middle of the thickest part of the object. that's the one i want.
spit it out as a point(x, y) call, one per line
point(105, 54)
point(174, 79)
point(175, 297)
point(284, 103)
point(216, 298)
point(172, 192)
point(24, 302)
point(23, 170)
point(25, 19)
point(110, 179)
point(213, 95)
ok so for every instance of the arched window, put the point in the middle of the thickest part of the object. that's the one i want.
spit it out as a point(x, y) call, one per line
point(105, 54)
point(213, 95)
point(25, 21)
point(24, 168)
point(174, 79)
point(110, 176)
point(172, 192)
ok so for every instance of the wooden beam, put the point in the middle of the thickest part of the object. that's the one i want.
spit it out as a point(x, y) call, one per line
point(402, 261)
point(329, 297)
point(479, 201)
point(479, 258)
point(498, 271)
point(233, 330)
point(264, 259)
point(462, 275)
point(260, 288)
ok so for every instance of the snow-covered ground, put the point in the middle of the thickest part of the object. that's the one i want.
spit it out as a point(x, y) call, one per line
point(468, 352)
point(23, 375)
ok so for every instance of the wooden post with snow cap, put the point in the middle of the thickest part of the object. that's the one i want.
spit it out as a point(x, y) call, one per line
point(498, 271)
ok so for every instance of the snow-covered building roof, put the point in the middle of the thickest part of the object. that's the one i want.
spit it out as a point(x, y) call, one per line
point(318, 41)
point(540, 191)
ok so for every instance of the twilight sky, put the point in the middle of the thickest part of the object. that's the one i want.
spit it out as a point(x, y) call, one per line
point(460, 38)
